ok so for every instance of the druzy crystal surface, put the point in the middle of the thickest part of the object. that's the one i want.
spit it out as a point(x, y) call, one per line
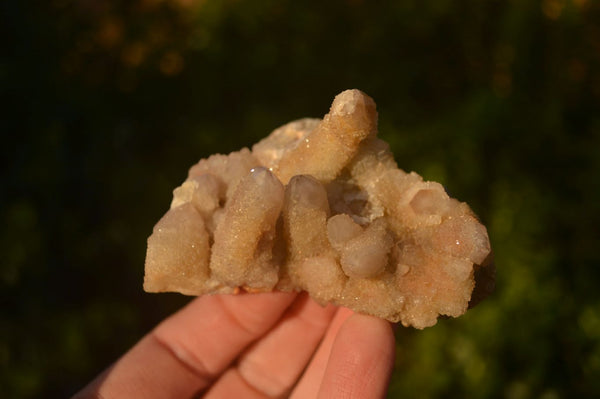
point(321, 206)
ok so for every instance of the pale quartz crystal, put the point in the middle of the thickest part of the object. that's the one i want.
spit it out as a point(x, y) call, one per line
point(321, 206)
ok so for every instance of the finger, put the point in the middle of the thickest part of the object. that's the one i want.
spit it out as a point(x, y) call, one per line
point(131, 376)
point(232, 385)
point(361, 360)
point(308, 386)
point(189, 350)
point(272, 365)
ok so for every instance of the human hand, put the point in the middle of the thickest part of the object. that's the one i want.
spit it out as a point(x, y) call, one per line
point(266, 345)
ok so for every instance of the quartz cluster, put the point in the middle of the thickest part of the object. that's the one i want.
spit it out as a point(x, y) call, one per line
point(321, 206)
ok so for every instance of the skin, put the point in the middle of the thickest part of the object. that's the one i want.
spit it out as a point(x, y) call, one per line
point(269, 345)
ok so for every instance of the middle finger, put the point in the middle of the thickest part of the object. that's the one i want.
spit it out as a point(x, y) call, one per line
point(272, 365)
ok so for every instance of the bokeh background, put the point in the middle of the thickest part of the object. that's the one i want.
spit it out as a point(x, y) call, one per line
point(107, 103)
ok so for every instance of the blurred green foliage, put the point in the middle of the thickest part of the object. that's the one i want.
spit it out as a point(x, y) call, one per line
point(107, 103)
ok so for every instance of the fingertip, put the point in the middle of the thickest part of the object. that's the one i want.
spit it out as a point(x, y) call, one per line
point(361, 360)
point(373, 335)
point(377, 327)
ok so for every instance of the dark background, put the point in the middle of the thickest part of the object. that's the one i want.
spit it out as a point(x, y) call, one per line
point(106, 104)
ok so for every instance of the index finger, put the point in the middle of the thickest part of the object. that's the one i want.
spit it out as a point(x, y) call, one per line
point(187, 351)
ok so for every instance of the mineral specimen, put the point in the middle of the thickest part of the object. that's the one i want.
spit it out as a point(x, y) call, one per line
point(321, 206)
